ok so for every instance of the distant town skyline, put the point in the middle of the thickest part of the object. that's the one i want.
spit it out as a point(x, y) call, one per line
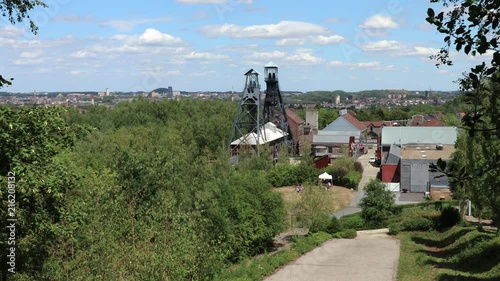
point(207, 45)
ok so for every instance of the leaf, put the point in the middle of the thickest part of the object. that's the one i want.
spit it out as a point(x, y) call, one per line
point(430, 13)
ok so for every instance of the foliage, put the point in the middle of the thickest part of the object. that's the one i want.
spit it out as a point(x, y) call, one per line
point(378, 202)
point(449, 217)
point(110, 194)
point(313, 209)
point(458, 24)
point(459, 253)
point(417, 224)
point(394, 229)
point(355, 221)
point(346, 234)
point(334, 226)
point(472, 27)
point(17, 12)
point(345, 172)
point(259, 267)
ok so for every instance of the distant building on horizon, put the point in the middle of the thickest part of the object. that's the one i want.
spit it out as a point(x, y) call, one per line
point(170, 92)
point(107, 91)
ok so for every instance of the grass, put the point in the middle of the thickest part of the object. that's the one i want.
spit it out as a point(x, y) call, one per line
point(264, 265)
point(337, 197)
point(461, 253)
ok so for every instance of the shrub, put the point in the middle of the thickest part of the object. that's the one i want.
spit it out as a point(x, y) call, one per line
point(346, 234)
point(358, 167)
point(353, 222)
point(394, 229)
point(320, 223)
point(351, 179)
point(449, 217)
point(334, 226)
point(378, 202)
point(417, 224)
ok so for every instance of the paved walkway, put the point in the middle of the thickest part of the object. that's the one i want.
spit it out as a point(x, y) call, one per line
point(369, 172)
point(372, 256)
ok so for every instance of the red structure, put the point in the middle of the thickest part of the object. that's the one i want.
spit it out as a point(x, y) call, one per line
point(390, 173)
point(322, 162)
point(351, 145)
point(379, 147)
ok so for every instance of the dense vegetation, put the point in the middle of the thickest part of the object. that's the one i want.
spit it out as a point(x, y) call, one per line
point(143, 191)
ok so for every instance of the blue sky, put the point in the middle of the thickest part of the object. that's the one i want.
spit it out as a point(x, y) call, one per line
point(209, 44)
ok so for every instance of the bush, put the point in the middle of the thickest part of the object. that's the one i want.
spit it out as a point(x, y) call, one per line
point(353, 222)
point(334, 226)
point(417, 224)
point(320, 223)
point(347, 234)
point(352, 179)
point(394, 229)
point(378, 202)
point(358, 167)
point(449, 217)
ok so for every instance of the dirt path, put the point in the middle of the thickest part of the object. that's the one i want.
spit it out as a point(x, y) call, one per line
point(373, 256)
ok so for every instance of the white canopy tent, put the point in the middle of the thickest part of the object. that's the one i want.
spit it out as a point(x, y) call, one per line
point(325, 176)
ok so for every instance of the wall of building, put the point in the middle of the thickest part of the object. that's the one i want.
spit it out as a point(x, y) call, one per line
point(390, 173)
point(415, 174)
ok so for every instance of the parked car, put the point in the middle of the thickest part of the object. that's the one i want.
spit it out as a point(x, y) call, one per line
point(372, 159)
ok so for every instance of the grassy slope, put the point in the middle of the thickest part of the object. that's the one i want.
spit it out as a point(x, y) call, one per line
point(461, 253)
point(339, 198)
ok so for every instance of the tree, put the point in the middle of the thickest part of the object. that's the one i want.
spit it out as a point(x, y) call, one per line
point(378, 202)
point(17, 11)
point(473, 28)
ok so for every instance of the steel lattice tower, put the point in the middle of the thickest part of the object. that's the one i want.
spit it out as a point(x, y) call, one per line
point(274, 109)
point(248, 117)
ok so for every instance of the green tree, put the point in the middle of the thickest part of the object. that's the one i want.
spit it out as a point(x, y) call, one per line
point(17, 11)
point(471, 27)
point(378, 202)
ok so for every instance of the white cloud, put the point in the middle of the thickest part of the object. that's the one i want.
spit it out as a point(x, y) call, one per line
point(173, 73)
point(291, 42)
point(422, 51)
point(396, 48)
point(154, 37)
point(127, 25)
point(30, 55)
point(267, 55)
point(314, 40)
point(76, 72)
point(281, 30)
point(73, 18)
point(205, 56)
point(375, 65)
point(29, 61)
point(327, 40)
point(379, 21)
point(304, 59)
point(383, 45)
point(151, 37)
point(82, 54)
point(204, 73)
point(11, 32)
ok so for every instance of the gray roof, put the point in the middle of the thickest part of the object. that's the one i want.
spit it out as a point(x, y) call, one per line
point(322, 139)
point(394, 155)
point(341, 124)
point(419, 135)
